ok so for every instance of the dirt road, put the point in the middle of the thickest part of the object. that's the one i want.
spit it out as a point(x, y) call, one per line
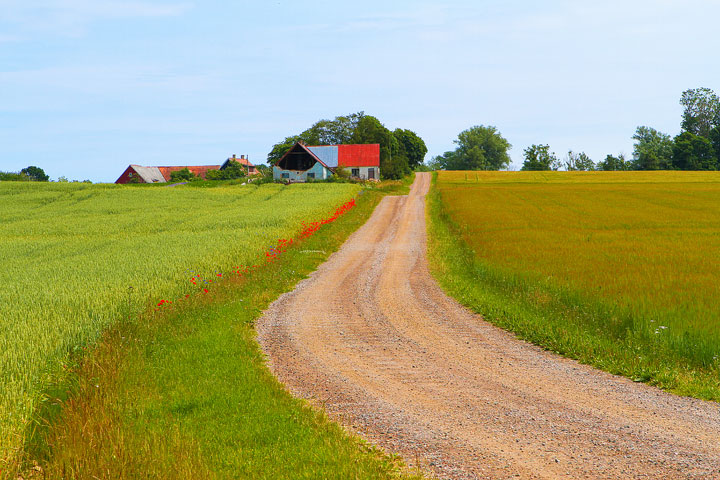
point(372, 338)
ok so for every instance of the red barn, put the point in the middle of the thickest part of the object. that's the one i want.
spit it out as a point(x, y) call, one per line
point(140, 174)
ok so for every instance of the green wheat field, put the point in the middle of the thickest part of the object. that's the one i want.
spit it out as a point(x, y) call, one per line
point(77, 258)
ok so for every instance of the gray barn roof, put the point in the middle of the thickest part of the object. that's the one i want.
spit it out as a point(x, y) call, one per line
point(149, 174)
point(328, 154)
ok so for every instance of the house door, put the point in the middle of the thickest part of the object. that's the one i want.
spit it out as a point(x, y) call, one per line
point(371, 173)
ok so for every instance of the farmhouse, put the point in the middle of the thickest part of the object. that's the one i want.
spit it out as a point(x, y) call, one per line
point(243, 160)
point(303, 162)
point(140, 174)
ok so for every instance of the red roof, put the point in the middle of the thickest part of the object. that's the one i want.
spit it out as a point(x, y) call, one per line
point(199, 171)
point(242, 161)
point(367, 155)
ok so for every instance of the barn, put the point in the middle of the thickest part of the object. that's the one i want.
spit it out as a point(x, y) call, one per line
point(140, 174)
point(303, 162)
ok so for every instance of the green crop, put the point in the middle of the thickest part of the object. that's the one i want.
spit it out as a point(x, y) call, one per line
point(77, 258)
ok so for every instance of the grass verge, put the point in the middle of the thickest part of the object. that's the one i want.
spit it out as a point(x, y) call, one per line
point(593, 331)
point(184, 392)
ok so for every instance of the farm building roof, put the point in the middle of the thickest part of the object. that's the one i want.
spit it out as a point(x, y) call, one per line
point(367, 155)
point(296, 151)
point(241, 160)
point(199, 171)
point(328, 154)
point(355, 155)
point(149, 174)
point(160, 174)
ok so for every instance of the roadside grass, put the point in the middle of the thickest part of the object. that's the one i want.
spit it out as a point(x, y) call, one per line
point(183, 392)
point(616, 270)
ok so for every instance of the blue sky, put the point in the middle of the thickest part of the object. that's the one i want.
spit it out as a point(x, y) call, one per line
point(90, 86)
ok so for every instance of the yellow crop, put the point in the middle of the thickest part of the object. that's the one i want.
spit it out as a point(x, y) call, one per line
point(647, 242)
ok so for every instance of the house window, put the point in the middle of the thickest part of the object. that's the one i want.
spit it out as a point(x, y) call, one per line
point(371, 173)
point(285, 175)
point(355, 172)
point(310, 175)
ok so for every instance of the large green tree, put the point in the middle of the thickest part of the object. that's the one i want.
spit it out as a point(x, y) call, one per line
point(652, 149)
point(323, 132)
point(393, 163)
point(478, 148)
point(411, 147)
point(539, 157)
point(35, 174)
point(333, 132)
point(693, 152)
point(701, 111)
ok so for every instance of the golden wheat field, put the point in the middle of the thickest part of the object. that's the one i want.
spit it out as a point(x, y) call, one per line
point(647, 243)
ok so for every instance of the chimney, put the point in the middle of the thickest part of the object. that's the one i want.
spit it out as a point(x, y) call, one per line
point(233, 156)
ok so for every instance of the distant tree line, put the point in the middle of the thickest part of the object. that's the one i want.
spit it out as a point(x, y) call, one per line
point(696, 147)
point(27, 174)
point(484, 148)
point(401, 151)
point(32, 174)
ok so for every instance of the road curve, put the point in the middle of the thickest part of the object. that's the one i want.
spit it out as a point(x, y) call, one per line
point(372, 338)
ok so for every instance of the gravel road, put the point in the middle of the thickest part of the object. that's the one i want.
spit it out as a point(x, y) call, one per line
point(372, 338)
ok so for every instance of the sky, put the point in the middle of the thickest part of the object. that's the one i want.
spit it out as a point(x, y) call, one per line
point(88, 87)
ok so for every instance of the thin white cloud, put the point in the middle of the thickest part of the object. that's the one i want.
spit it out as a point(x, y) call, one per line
point(9, 38)
point(71, 17)
point(420, 17)
point(72, 88)
point(89, 9)
point(103, 78)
